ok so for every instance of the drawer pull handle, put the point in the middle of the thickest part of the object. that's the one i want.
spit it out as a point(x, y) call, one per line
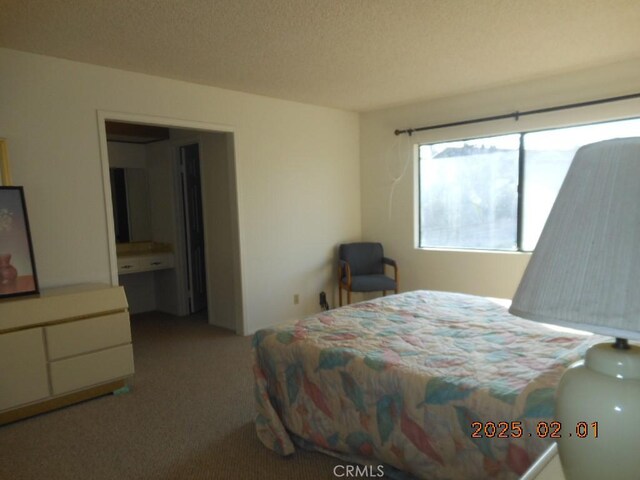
point(127, 266)
point(156, 263)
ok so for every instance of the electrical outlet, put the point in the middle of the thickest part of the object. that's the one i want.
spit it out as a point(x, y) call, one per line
point(296, 299)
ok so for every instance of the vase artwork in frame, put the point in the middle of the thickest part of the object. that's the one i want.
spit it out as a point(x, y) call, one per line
point(17, 266)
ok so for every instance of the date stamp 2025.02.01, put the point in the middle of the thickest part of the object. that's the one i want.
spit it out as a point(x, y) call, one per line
point(553, 429)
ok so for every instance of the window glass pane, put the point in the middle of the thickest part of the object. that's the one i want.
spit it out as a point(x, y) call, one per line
point(468, 193)
point(547, 157)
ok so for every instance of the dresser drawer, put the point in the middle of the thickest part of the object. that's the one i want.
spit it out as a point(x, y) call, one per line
point(83, 336)
point(128, 265)
point(91, 369)
point(23, 368)
point(157, 262)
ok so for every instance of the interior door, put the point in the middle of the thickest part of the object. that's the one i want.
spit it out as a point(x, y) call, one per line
point(194, 228)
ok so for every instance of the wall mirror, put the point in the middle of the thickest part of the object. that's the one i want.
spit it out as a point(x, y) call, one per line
point(131, 204)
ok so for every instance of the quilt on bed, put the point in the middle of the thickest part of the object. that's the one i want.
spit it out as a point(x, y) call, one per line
point(401, 379)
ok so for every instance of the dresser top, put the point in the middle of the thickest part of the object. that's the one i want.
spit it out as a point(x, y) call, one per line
point(56, 305)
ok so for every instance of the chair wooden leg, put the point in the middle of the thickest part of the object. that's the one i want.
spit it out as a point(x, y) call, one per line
point(384, 293)
point(340, 294)
point(348, 296)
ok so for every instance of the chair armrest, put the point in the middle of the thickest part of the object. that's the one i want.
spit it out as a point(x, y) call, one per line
point(389, 261)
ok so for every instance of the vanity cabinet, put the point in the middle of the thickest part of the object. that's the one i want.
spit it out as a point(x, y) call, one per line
point(64, 346)
point(146, 270)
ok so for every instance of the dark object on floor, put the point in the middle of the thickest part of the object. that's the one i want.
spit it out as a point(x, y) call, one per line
point(323, 302)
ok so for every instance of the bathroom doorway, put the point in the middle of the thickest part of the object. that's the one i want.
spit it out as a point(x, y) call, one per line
point(192, 202)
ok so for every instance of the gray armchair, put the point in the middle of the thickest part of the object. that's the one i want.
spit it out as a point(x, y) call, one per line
point(361, 269)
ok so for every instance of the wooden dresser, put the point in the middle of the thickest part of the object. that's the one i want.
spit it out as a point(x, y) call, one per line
point(61, 347)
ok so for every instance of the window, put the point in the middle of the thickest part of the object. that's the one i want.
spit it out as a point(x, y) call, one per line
point(469, 189)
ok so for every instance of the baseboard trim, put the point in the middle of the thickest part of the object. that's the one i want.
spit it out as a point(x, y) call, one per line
point(59, 402)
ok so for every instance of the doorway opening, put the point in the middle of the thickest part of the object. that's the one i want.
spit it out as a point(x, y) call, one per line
point(174, 194)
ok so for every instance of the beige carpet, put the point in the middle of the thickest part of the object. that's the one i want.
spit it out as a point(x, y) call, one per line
point(188, 416)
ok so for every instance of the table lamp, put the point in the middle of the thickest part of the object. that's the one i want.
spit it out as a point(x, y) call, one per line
point(585, 274)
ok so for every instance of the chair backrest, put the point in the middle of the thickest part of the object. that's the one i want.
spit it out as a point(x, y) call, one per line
point(364, 258)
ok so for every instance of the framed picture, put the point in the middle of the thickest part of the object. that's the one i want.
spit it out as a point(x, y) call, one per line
point(5, 175)
point(17, 267)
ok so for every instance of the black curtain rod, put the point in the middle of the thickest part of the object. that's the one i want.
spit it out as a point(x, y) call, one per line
point(516, 115)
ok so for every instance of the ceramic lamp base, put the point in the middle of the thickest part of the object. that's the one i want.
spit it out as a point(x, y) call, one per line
point(598, 405)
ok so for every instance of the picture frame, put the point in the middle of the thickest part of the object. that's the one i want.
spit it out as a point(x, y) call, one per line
point(17, 266)
point(5, 173)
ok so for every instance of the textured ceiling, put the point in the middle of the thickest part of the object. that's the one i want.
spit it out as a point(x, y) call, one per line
point(352, 54)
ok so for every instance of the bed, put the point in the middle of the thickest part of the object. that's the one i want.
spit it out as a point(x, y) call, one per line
point(427, 384)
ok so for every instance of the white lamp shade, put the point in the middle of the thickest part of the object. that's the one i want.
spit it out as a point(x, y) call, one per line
point(585, 270)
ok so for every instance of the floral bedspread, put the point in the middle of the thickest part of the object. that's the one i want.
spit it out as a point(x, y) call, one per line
point(400, 380)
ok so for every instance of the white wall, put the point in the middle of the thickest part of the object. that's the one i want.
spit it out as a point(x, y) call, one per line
point(297, 172)
point(388, 210)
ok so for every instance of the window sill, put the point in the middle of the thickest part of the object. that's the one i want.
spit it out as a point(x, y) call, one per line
point(471, 250)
